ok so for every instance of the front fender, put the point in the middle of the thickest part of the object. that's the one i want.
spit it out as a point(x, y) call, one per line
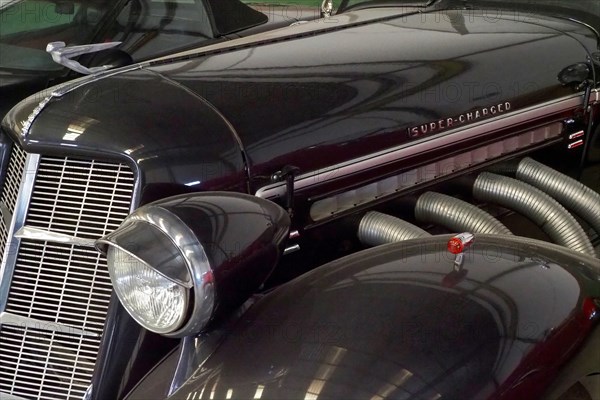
point(385, 322)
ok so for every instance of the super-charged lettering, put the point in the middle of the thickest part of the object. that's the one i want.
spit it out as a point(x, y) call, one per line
point(442, 124)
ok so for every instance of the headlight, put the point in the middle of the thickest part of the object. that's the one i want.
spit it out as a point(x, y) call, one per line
point(160, 272)
point(177, 263)
point(155, 302)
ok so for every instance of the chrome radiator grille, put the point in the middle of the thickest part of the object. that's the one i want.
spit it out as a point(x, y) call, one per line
point(62, 288)
point(86, 199)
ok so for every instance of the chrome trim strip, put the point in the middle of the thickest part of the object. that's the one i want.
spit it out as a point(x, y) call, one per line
point(425, 144)
point(7, 396)
point(12, 245)
point(575, 144)
point(576, 135)
point(88, 393)
point(291, 249)
point(42, 235)
point(590, 27)
point(26, 125)
point(10, 319)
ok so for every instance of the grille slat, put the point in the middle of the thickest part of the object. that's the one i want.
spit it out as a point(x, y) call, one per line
point(47, 301)
point(58, 220)
point(61, 358)
point(83, 280)
point(59, 283)
point(119, 195)
point(51, 287)
point(56, 358)
point(74, 277)
point(89, 349)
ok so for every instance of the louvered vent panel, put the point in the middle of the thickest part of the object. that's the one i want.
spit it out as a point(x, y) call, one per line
point(347, 200)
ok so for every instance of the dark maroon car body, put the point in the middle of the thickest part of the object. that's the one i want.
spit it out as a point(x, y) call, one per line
point(333, 119)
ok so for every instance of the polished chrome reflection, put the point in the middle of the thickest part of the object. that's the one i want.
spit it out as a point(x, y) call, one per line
point(10, 319)
point(28, 232)
point(191, 270)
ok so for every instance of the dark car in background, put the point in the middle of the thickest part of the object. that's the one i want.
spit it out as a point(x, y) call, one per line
point(144, 28)
point(399, 200)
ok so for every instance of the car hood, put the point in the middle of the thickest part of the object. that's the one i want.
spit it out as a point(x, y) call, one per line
point(335, 92)
point(397, 322)
point(310, 95)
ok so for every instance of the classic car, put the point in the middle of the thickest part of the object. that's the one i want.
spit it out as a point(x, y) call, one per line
point(137, 29)
point(165, 225)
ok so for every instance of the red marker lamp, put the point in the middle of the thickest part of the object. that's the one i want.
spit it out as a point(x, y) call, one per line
point(459, 243)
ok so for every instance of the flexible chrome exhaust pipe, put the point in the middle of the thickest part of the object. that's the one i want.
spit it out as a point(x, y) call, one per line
point(546, 212)
point(376, 228)
point(572, 194)
point(456, 215)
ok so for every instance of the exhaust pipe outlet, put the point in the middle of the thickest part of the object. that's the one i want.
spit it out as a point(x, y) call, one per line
point(546, 212)
point(456, 215)
point(376, 228)
point(572, 194)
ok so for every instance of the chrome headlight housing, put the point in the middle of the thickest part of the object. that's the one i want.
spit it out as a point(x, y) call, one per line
point(168, 259)
point(160, 272)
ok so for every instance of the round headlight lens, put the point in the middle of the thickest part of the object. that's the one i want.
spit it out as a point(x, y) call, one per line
point(155, 302)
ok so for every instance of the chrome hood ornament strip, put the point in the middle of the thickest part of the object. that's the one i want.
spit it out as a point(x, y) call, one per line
point(26, 124)
point(63, 54)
